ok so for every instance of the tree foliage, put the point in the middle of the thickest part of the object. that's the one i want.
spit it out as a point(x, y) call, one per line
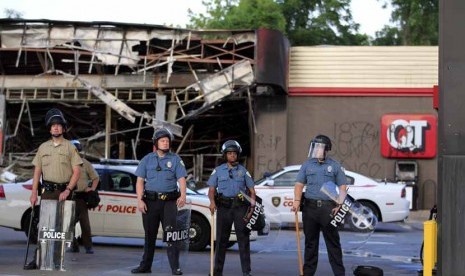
point(313, 22)
point(417, 23)
point(243, 14)
point(11, 13)
point(305, 22)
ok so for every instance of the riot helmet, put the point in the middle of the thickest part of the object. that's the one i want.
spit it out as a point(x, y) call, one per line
point(161, 133)
point(319, 146)
point(231, 145)
point(77, 144)
point(55, 116)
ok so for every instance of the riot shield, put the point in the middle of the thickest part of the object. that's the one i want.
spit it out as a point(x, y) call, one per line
point(176, 224)
point(362, 219)
point(263, 222)
point(56, 231)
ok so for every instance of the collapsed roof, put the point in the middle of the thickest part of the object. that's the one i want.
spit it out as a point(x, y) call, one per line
point(190, 76)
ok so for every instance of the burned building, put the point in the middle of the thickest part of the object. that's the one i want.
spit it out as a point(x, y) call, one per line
point(116, 82)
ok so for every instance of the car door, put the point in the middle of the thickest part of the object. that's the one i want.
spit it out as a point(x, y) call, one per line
point(278, 195)
point(119, 204)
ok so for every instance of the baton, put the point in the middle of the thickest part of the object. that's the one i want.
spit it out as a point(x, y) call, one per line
point(28, 236)
point(299, 252)
point(212, 233)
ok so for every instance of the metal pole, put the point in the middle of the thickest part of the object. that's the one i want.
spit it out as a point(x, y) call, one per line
point(429, 247)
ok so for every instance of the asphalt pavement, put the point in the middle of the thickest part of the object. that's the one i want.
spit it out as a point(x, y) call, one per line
point(113, 257)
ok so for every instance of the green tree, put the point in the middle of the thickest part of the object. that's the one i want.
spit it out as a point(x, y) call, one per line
point(313, 22)
point(243, 14)
point(10, 13)
point(417, 23)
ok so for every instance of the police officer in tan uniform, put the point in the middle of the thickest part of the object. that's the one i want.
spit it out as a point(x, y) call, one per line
point(59, 164)
point(88, 174)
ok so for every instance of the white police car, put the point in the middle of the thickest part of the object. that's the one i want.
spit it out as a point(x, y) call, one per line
point(116, 215)
point(386, 200)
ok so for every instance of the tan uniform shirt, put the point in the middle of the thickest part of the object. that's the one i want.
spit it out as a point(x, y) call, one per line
point(57, 162)
point(87, 173)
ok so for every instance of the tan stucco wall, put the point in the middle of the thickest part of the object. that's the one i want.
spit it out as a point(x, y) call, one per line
point(353, 124)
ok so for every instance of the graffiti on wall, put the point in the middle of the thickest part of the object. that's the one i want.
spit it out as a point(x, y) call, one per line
point(270, 153)
point(356, 146)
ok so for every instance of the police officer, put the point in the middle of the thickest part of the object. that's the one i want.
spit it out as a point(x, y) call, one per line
point(88, 174)
point(159, 197)
point(318, 207)
point(59, 164)
point(226, 183)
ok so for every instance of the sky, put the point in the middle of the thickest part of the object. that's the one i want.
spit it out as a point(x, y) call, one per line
point(167, 12)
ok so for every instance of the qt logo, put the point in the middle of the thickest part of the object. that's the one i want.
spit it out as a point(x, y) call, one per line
point(408, 136)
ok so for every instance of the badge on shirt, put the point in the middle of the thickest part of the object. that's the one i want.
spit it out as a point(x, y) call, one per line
point(330, 169)
point(239, 173)
point(168, 164)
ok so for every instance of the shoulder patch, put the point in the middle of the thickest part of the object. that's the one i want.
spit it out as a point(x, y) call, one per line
point(343, 169)
point(248, 174)
point(182, 163)
point(213, 172)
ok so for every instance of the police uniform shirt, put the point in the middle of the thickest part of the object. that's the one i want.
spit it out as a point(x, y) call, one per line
point(57, 161)
point(314, 174)
point(87, 173)
point(230, 182)
point(161, 173)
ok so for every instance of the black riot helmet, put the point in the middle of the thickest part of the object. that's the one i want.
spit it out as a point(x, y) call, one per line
point(319, 146)
point(55, 116)
point(231, 145)
point(160, 133)
point(77, 144)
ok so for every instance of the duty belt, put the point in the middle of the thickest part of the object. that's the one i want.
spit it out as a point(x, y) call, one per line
point(319, 202)
point(148, 195)
point(231, 202)
point(52, 186)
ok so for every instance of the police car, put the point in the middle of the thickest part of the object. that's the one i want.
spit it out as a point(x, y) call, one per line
point(386, 200)
point(116, 215)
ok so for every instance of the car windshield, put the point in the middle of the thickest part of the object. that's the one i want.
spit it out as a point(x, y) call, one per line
point(266, 176)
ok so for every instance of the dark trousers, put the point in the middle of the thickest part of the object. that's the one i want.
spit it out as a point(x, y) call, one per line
point(225, 218)
point(316, 219)
point(82, 215)
point(164, 212)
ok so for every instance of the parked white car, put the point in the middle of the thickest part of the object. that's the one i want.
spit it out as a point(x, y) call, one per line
point(386, 200)
point(116, 215)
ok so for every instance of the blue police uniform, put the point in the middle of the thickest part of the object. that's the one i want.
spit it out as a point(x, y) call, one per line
point(317, 210)
point(231, 208)
point(161, 191)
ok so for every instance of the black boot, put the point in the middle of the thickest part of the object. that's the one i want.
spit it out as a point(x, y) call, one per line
point(139, 270)
point(176, 271)
point(31, 266)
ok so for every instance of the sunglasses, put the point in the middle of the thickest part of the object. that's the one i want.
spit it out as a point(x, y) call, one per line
point(230, 174)
point(158, 168)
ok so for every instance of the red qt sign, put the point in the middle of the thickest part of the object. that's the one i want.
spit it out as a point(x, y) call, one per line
point(408, 136)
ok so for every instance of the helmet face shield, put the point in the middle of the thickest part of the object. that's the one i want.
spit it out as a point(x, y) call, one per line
point(317, 150)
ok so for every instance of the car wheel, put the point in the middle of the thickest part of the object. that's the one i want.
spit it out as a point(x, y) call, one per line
point(364, 225)
point(34, 226)
point(199, 233)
